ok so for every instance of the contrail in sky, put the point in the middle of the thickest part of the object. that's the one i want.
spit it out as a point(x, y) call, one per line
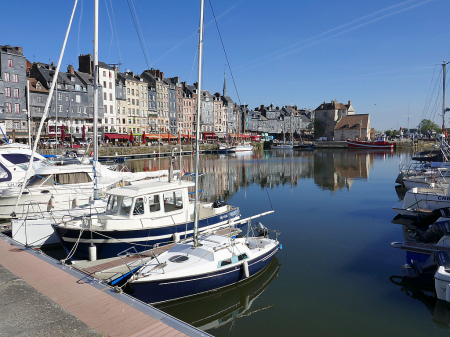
point(316, 39)
point(194, 34)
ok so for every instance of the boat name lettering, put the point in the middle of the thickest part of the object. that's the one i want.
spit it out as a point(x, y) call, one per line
point(444, 198)
point(14, 184)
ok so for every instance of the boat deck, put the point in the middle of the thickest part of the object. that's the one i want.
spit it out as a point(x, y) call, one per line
point(98, 306)
point(114, 268)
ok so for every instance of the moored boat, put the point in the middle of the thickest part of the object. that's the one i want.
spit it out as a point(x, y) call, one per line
point(378, 144)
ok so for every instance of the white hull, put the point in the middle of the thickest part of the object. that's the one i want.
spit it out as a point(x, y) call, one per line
point(422, 200)
point(240, 149)
point(442, 284)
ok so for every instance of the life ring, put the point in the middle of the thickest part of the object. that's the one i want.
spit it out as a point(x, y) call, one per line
point(92, 153)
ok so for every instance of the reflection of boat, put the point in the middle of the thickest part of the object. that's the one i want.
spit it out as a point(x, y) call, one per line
point(422, 289)
point(372, 151)
point(378, 144)
point(219, 308)
point(277, 146)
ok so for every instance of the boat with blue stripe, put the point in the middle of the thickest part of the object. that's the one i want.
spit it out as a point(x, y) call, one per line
point(143, 215)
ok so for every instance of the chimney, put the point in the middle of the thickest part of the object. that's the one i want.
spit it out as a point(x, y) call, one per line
point(349, 102)
point(70, 69)
point(20, 49)
point(262, 108)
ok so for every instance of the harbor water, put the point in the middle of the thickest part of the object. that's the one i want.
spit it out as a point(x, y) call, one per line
point(337, 274)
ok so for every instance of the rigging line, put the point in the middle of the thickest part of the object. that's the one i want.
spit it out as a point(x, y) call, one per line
point(142, 35)
point(193, 65)
point(115, 29)
point(138, 31)
point(79, 27)
point(430, 93)
point(225, 52)
point(112, 32)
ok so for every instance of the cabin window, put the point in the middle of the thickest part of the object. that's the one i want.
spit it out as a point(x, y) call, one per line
point(73, 178)
point(113, 204)
point(125, 206)
point(153, 201)
point(5, 175)
point(172, 201)
point(138, 206)
point(18, 158)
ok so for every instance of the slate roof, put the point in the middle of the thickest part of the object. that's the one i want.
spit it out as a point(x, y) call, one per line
point(13, 50)
point(352, 122)
point(332, 106)
point(33, 83)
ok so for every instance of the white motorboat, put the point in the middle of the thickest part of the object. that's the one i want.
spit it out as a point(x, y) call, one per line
point(62, 187)
point(422, 201)
point(14, 161)
point(245, 147)
point(438, 177)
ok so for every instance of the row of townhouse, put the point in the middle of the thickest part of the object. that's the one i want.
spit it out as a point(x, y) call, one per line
point(128, 102)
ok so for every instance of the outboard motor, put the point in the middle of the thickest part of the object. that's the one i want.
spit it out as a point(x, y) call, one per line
point(261, 229)
point(435, 232)
point(442, 258)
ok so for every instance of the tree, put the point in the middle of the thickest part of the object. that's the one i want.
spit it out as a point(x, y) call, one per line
point(318, 128)
point(389, 133)
point(426, 125)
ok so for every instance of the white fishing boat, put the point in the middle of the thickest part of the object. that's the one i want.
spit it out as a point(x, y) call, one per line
point(203, 263)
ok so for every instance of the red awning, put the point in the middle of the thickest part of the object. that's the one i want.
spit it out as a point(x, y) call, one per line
point(116, 136)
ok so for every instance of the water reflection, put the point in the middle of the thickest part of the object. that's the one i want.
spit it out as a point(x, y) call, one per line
point(223, 307)
point(331, 169)
point(422, 289)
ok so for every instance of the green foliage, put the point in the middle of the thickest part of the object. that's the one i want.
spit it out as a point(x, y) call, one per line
point(319, 128)
point(426, 125)
point(389, 133)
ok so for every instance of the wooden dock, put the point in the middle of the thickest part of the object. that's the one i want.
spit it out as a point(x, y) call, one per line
point(98, 306)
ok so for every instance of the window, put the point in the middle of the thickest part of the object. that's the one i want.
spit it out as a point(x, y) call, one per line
point(111, 109)
point(67, 98)
point(113, 204)
point(110, 97)
point(104, 83)
point(39, 99)
point(10, 64)
point(104, 73)
point(7, 92)
point(78, 98)
point(59, 97)
point(8, 107)
point(125, 206)
point(110, 85)
point(7, 77)
point(138, 206)
point(16, 108)
point(153, 201)
point(16, 92)
point(104, 96)
point(172, 201)
point(60, 108)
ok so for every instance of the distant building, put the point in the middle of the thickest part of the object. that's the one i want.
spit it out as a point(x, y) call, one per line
point(353, 127)
point(13, 83)
point(329, 113)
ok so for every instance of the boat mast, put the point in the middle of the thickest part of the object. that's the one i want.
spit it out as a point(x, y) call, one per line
point(443, 96)
point(197, 131)
point(95, 126)
point(46, 108)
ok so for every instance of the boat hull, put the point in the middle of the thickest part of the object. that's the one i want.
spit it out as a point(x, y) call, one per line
point(168, 290)
point(370, 145)
point(112, 242)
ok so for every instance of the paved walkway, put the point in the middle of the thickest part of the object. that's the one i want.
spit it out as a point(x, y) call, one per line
point(86, 301)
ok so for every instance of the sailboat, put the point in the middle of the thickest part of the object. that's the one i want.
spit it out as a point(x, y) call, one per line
point(284, 146)
point(209, 262)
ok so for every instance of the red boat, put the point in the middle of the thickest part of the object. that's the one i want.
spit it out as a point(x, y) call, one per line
point(377, 144)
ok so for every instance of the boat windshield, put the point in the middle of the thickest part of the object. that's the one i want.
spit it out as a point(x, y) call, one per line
point(37, 180)
point(125, 206)
point(113, 204)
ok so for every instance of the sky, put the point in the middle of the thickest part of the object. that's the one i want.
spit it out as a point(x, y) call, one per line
point(384, 56)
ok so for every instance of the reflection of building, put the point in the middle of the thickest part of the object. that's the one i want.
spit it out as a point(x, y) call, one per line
point(335, 170)
point(224, 175)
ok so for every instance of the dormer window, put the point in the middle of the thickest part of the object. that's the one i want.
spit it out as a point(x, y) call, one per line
point(38, 86)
